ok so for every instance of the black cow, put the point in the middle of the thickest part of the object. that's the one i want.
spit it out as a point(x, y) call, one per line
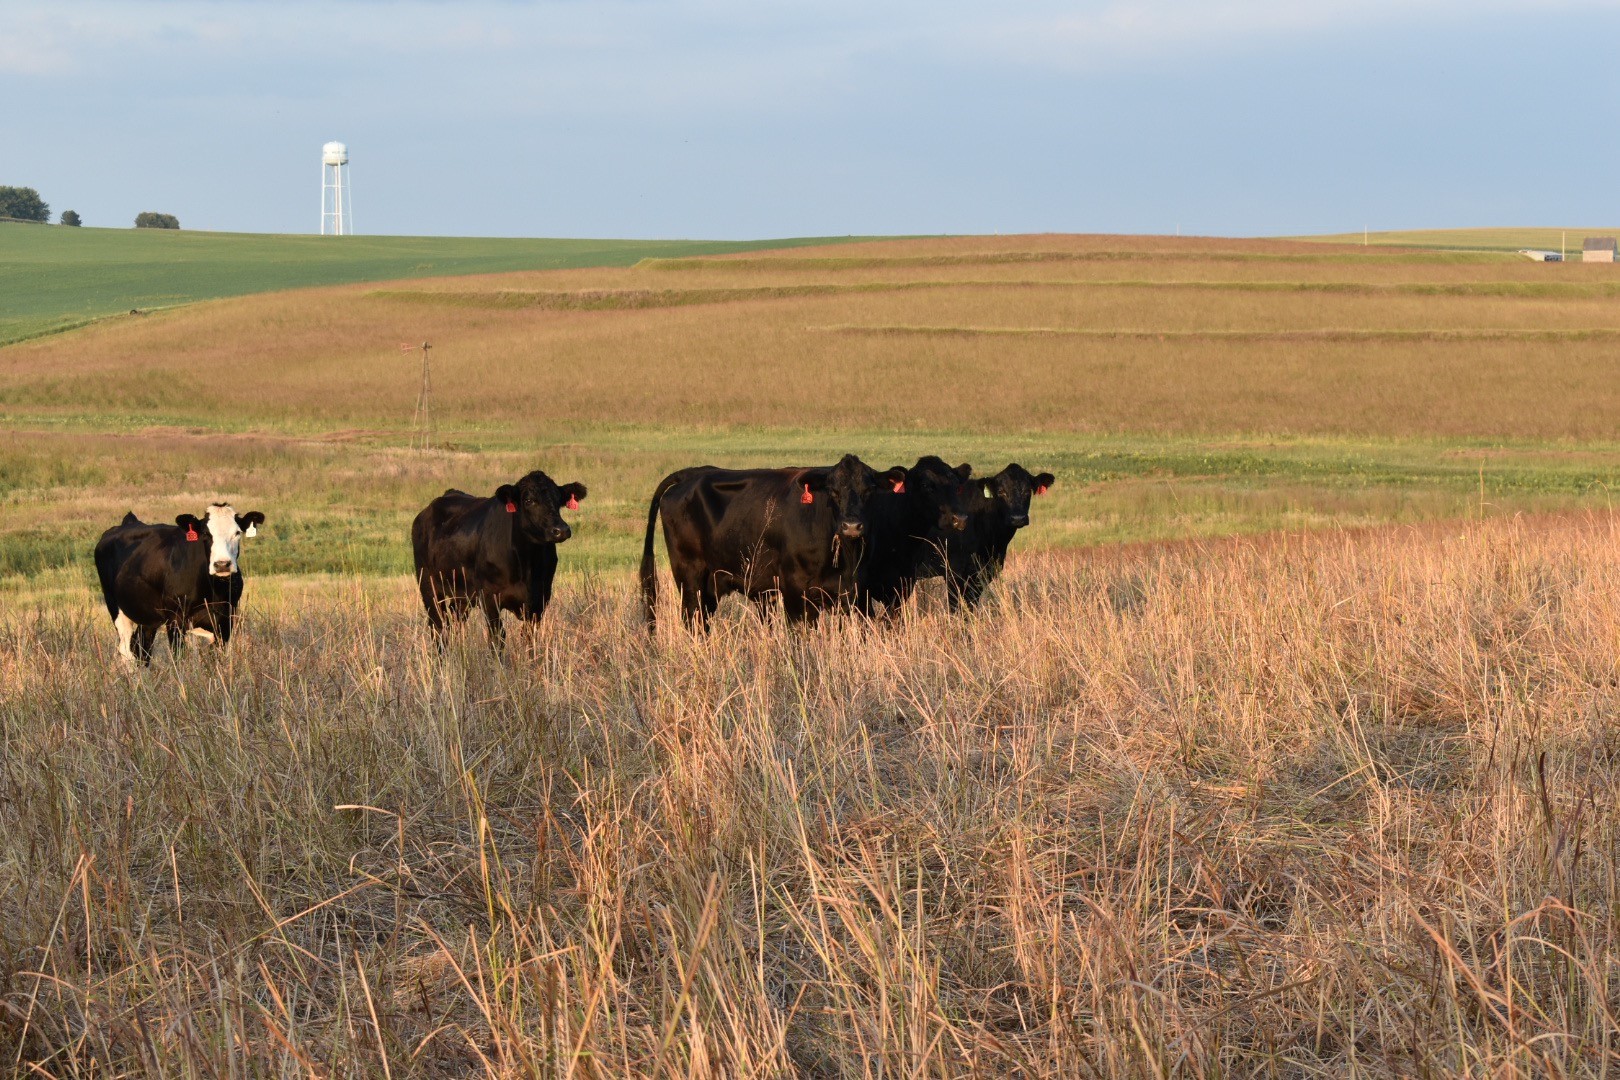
point(909, 531)
point(185, 577)
point(997, 507)
point(761, 532)
point(499, 552)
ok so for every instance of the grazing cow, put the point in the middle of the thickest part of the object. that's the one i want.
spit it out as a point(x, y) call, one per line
point(185, 577)
point(794, 532)
point(909, 531)
point(499, 552)
point(997, 506)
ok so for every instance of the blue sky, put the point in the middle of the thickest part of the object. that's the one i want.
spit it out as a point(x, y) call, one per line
point(751, 118)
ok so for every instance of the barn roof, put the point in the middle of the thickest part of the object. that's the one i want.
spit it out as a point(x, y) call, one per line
point(1598, 243)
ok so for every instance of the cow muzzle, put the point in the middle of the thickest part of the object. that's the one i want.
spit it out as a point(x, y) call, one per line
point(956, 522)
point(1018, 521)
point(851, 530)
point(557, 534)
point(223, 568)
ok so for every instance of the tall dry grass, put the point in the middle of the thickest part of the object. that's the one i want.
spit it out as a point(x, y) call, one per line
point(1300, 807)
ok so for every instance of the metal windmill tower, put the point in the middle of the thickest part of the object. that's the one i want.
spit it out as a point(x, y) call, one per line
point(337, 216)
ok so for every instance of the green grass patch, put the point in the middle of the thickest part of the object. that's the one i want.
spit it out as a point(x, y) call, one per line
point(54, 278)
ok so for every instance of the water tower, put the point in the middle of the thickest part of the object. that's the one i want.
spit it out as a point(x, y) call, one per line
point(337, 217)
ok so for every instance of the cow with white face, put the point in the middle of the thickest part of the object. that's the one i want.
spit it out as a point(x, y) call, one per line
point(185, 577)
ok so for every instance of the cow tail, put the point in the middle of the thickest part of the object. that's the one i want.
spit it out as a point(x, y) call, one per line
point(649, 566)
point(105, 567)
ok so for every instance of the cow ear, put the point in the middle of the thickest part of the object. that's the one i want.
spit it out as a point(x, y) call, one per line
point(184, 520)
point(814, 479)
point(1045, 480)
point(576, 490)
point(249, 522)
point(964, 470)
point(896, 476)
point(506, 493)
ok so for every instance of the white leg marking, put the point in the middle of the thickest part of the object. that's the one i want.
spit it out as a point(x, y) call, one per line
point(126, 630)
point(204, 635)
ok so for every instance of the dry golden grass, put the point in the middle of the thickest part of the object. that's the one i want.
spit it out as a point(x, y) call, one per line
point(1324, 806)
point(1260, 336)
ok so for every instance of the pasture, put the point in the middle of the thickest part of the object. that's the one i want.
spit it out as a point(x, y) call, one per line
point(1284, 747)
point(54, 278)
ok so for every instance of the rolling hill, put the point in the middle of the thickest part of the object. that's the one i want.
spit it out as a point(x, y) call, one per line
point(54, 278)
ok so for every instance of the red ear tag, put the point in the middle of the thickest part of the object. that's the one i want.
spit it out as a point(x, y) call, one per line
point(572, 503)
point(511, 507)
point(899, 487)
point(191, 532)
point(1041, 490)
point(807, 498)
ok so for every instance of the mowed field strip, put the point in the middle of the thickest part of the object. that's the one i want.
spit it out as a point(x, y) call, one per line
point(1223, 387)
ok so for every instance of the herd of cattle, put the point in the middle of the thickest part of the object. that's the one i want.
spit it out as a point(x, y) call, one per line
point(843, 536)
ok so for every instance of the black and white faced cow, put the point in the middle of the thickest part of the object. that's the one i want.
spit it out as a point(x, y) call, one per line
point(185, 577)
point(997, 507)
point(498, 552)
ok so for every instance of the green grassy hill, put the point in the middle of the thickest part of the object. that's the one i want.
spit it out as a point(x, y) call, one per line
point(1504, 239)
point(54, 278)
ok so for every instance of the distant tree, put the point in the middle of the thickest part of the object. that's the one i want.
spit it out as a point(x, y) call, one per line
point(23, 203)
point(71, 217)
point(146, 219)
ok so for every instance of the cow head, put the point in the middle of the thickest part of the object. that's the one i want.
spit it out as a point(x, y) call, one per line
point(940, 493)
point(222, 529)
point(1010, 491)
point(848, 486)
point(536, 503)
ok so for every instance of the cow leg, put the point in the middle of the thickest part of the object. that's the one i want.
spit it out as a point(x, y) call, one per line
point(983, 574)
point(796, 608)
point(441, 605)
point(973, 591)
point(443, 612)
point(144, 637)
point(697, 604)
point(126, 633)
point(492, 615)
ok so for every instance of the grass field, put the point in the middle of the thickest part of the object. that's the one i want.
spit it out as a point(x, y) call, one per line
point(1177, 387)
point(54, 277)
point(1335, 806)
point(1284, 748)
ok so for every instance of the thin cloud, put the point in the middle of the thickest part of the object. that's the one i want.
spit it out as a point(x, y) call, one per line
point(1105, 35)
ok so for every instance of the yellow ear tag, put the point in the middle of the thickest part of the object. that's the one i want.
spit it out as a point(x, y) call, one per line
point(987, 492)
point(252, 530)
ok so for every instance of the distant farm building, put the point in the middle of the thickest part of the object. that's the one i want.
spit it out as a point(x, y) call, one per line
point(1541, 256)
point(1598, 249)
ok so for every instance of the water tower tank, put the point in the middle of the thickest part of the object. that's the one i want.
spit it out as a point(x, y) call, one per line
point(334, 153)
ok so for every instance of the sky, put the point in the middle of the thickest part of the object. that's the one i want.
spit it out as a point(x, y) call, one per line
point(732, 119)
